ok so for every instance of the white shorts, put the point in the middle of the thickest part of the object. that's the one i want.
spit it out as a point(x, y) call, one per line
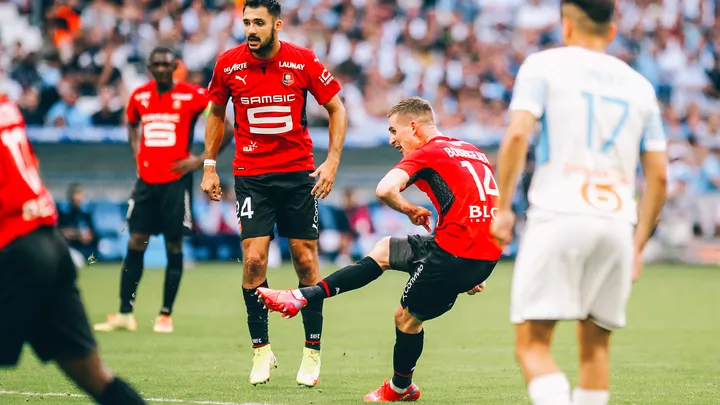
point(573, 268)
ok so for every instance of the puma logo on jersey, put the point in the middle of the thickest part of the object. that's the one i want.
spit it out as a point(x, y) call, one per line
point(242, 79)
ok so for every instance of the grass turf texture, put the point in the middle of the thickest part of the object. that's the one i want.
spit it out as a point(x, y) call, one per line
point(668, 355)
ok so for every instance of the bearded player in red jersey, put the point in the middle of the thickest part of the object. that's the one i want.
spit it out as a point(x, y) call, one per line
point(459, 257)
point(160, 203)
point(274, 168)
point(39, 300)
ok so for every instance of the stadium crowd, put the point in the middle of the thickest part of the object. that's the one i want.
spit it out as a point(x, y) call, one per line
point(78, 66)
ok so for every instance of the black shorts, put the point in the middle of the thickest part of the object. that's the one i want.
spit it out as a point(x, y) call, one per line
point(436, 276)
point(39, 300)
point(161, 208)
point(277, 198)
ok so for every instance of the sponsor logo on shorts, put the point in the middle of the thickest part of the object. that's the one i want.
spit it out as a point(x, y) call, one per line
point(412, 280)
point(316, 218)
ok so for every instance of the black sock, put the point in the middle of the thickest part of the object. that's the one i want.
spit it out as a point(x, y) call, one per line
point(132, 271)
point(257, 317)
point(408, 349)
point(173, 275)
point(119, 393)
point(313, 322)
point(346, 279)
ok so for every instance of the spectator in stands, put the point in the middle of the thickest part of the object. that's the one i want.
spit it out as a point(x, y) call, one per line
point(107, 116)
point(29, 104)
point(76, 223)
point(707, 188)
point(66, 113)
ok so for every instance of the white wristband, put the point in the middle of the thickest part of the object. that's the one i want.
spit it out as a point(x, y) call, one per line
point(210, 162)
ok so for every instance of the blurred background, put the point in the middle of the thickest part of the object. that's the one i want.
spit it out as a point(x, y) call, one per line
point(71, 66)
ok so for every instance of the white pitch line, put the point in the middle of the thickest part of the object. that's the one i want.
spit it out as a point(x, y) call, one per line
point(167, 400)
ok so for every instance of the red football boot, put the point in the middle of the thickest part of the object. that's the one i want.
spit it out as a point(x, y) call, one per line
point(285, 301)
point(387, 394)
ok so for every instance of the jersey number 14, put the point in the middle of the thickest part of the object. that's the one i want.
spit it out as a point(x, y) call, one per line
point(487, 186)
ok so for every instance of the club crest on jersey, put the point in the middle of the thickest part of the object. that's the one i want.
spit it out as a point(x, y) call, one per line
point(288, 79)
point(177, 104)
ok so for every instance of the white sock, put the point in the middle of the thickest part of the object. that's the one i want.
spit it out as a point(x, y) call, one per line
point(397, 389)
point(550, 389)
point(590, 397)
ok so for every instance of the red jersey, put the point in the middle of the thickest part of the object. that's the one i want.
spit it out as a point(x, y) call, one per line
point(458, 179)
point(269, 96)
point(25, 204)
point(168, 124)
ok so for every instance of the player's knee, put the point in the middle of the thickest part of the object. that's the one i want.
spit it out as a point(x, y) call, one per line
point(254, 264)
point(138, 242)
point(406, 322)
point(380, 252)
point(174, 246)
point(306, 267)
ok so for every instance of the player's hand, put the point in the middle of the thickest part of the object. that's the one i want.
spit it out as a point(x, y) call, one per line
point(325, 174)
point(187, 165)
point(210, 183)
point(478, 288)
point(420, 216)
point(637, 266)
point(502, 227)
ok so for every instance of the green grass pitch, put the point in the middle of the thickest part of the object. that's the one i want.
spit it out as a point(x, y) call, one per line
point(669, 354)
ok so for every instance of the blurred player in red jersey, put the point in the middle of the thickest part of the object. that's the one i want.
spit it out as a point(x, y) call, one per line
point(39, 300)
point(166, 111)
point(274, 167)
point(457, 258)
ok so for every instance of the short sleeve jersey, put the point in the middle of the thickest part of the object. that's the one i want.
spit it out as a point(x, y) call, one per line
point(25, 203)
point(458, 179)
point(168, 124)
point(269, 99)
point(597, 115)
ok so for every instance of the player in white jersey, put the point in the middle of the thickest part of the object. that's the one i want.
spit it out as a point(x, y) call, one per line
point(597, 117)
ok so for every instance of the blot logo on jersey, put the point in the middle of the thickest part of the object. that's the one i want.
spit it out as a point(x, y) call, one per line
point(288, 79)
point(481, 213)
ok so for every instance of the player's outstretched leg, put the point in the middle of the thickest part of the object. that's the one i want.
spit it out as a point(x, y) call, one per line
point(409, 337)
point(95, 378)
point(305, 261)
point(349, 278)
point(255, 253)
point(173, 275)
point(547, 385)
point(132, 271)
point(593, 387)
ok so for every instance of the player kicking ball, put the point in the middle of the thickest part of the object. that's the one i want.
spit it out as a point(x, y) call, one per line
point(39, 300)
point(166, 112)
point(599, 118)
point(459, 257)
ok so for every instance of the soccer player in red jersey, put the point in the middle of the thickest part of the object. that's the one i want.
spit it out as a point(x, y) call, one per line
point(274, 169)
point(166, 113)
point(458, 257)
point(39, 300)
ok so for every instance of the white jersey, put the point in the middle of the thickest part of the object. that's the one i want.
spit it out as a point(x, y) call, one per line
point(597, 115)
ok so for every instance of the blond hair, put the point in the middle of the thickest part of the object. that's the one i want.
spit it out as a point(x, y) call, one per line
point(414, 108)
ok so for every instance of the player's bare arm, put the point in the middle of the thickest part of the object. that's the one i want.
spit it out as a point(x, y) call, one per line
point(326, 172)
point(134, 138)
point(511, 160)
point(389, 191)
point(214, 130)
point(195, 162)
point(654, 165)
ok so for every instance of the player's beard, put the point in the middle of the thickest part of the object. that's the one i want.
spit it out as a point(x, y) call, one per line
point(266, 46)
